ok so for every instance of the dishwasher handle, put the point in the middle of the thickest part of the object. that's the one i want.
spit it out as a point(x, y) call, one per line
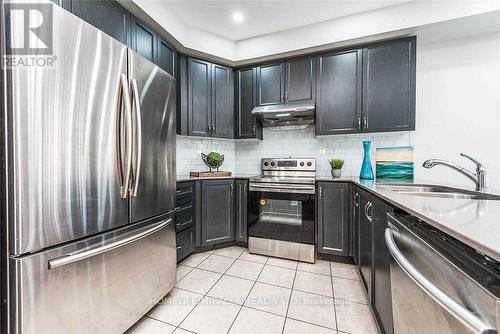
point(461, 313)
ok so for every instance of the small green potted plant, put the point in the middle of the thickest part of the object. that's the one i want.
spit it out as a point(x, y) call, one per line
point(336, 165)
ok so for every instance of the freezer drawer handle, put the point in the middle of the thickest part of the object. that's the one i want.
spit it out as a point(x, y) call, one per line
point(137, 135)
point(75, 257)
point(462, 314)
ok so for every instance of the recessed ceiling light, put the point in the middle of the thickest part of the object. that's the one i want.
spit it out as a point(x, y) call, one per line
point(238, 17)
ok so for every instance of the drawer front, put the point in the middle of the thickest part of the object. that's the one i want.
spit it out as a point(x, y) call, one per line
point(184, 190)
point(185, 243)
point(103, 284)
point(185, 205)
point(183, 222)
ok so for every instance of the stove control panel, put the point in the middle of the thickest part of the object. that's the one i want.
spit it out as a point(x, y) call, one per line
point(306, 164)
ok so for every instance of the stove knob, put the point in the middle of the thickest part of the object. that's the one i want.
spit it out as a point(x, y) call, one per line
point(266, 163)
point(302, 163)
point(309, 164)
point(272, 163)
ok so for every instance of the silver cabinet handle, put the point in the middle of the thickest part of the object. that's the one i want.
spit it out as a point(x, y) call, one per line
point(462, 314)
point(123, 136)
point(282, 99)
point(137, 136)
point(213, 127)
point(359, 122)
point(356, 199)
point(320, 193)
point(232, 188)
point(244, 188)
point(75, 257)
point(178, 247)
point(286, 97)
point(365, 122)
point(367, 207)
point(253, 128)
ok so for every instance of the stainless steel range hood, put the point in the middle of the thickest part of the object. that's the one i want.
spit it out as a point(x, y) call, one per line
point(285, 114)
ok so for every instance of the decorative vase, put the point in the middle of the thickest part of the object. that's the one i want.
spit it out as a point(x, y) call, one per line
point(336, 172)
point(366, 168)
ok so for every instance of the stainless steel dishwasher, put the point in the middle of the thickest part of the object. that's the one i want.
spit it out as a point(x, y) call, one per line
point(438, 284)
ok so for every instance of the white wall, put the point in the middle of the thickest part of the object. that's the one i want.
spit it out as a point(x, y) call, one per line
point(458, 106)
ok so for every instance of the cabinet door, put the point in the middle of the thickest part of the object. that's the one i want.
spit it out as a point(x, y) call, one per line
point(300, 80)
point(143, 39)
point(167, 57)
point(354, 224)
point(333, 218)
point(389, 86)
point(338, 102)
point(105, 15)
point(270, 84)
point(381, 265)
point(199, 98)
point(246, 124)
point(241, 210)
point(365, 245)
point(217, 221)
point(222, 102)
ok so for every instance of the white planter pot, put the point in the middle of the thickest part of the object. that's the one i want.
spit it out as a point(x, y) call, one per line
point(336, 172)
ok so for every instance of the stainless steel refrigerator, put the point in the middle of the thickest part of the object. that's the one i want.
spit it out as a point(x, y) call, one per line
point(90, 181)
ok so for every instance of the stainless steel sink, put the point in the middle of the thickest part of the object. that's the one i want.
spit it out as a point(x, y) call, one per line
point(436, 191)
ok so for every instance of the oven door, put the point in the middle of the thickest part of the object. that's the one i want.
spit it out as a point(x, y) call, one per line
point(282, 216)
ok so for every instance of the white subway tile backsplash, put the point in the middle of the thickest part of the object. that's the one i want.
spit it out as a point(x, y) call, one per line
point(243, 156)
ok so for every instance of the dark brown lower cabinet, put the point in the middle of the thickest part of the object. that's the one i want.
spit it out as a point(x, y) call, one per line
point(185, 243)
point(374, 257)
point(241, 210)
point(381, 265)
point(217, 211)
point(333, 218)
point(365, 244)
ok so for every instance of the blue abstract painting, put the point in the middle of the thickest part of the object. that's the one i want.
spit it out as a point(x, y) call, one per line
point(394, 163)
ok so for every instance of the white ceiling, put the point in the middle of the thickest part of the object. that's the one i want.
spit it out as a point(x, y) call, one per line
point(265, 17)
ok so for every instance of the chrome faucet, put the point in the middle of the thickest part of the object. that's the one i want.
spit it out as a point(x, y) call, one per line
point(479, 177)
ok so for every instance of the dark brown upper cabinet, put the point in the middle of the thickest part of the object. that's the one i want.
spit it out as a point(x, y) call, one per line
point(246, 125)
point(367, 90)
point(222, 102)
point(144, 40)
point(199, 106)
point(338, 100)
point(389, 86)
point(270, 84)
point(105, 15)
point(210, 99)
point(167, 57)
point(300, 83)
point(292, 81)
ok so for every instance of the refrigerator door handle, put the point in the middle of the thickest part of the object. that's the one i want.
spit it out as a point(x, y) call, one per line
point(125, 164)
point(136, 104)
point(75, 257)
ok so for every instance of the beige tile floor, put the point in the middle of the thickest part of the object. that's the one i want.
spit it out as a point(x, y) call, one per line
point(232, 291)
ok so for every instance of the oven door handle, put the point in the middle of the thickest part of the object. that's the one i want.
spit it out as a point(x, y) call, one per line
point(292, 189)
point(282, 186)
point(462, 314)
